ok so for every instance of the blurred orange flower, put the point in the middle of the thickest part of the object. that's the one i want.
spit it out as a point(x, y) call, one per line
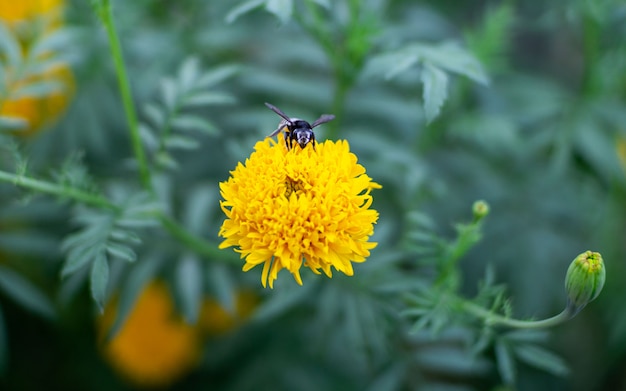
point(215, 319)
point(19, 10)
point(155, 346)
point(25, 19)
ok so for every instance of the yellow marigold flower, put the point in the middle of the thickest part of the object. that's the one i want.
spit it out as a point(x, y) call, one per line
point(304, 206)
point(154, 347)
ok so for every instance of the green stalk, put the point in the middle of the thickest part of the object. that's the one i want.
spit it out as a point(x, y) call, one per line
point(106, 15)
point(195, 243)
point(57, 190)
point(494, 319)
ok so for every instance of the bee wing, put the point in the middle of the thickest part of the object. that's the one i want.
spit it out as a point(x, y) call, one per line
point(277, 111)
point(281, 126)
point(323, 119)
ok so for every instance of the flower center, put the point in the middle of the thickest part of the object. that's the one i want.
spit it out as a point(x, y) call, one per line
point(292, 186)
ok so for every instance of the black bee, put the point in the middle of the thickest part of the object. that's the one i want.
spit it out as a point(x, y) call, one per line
point(297, 130)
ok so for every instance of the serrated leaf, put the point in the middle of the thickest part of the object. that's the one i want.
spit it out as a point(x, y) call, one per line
point(188, 73)
point(402, 64)
point(165, 160)
point(138, 277)
point(222, 283)
point(155, 115)
point(505, 362)
point(281, 302)
point(454, 58)
point(181, 142)
point(9, 46)
point(148, 137)
point(215, 76)
point(208, 98)
point(79, 257)
point(323, 3)
point(25, 293)
point(169, 93)
point(125, 236)
point(12, 123)
point(54, 41)
point(243, 8)
point(38, 89)
point(121, 252)
point(137, 222)
point(435, 90)
point(99, 279)
point(542, 359)
point(192, 122)
point(282, 9)
point(189, 287)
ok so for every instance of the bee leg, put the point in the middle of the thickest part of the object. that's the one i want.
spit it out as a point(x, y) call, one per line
point(287, 140)
point(313, 140)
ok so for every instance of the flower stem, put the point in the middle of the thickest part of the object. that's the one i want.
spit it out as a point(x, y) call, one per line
point(197, 244)
point(178, 232)
point(57, 190)
point(499, 320)
point(106, 15)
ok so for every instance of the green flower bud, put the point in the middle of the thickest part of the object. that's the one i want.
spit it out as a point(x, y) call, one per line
point(585, 279)
point(480, 209)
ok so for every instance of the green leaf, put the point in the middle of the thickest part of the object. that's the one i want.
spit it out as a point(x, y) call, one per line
point(12, 123)
point(54, 41)
point(215, 76)
point(25, 293)
point(189, 287)
point(38, 89)
point(541, 358)
point(208, 98)
point(188, 73)
point(401, 63)
point(192, 122)
point(99, 280)
point(80, 256)
point(323, 3)
point(505, 362)
point(138, 277)
point(282, 301)
point(222, 284)
point(9, 47)
point(121, 251)
point(452, 57)
point(281, 8)
point(181, 142)
point(125, 236)
point(435, 90)
point(169, 93)
point(155, 115)
point(243, 8)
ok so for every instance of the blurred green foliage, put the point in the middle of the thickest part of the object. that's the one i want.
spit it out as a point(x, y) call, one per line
point(519, 103)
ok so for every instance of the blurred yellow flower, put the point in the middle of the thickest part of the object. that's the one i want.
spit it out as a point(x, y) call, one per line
point(18, 10)
point(23, 18)
point(215, 319)
point(621, 151)
point(304, 206)
point(154, 347)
